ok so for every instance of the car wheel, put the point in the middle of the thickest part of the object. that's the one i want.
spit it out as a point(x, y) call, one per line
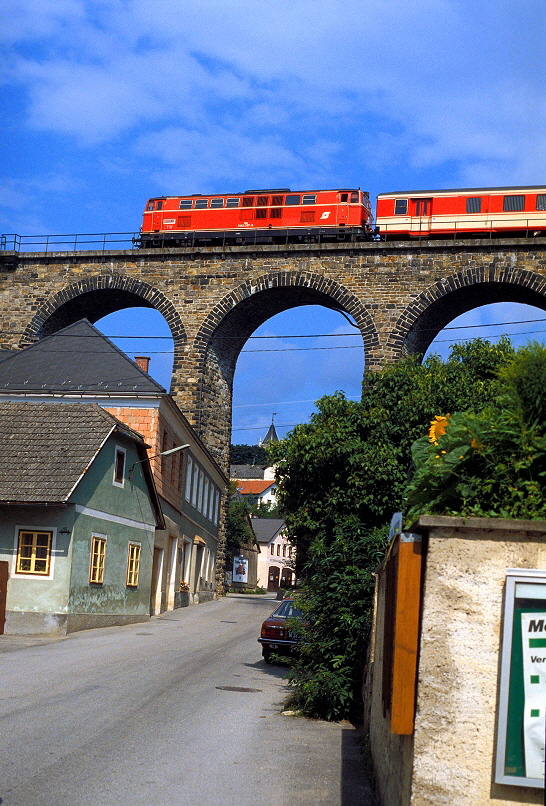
point(266, 656)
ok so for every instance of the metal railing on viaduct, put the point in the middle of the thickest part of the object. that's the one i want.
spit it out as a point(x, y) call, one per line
point(400, 294)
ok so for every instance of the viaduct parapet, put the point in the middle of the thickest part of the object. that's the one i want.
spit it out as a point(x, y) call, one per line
point(400, 294)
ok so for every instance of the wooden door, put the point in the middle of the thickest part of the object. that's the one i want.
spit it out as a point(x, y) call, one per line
point(273, 580)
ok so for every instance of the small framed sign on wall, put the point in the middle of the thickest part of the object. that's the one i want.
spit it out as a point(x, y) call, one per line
point(522, 700)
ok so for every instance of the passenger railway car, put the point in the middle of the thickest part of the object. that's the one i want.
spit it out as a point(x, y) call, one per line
point(519, 211)
point(274, 215)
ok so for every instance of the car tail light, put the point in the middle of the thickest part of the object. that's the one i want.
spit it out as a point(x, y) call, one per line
point(272, 631)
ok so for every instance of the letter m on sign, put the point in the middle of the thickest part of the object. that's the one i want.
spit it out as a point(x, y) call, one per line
point(536, 626)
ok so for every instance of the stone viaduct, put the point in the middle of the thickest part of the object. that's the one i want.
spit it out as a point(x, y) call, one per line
point(400, 295)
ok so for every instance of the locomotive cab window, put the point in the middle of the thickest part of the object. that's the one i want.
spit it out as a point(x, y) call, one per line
point(354, 198)
point(541, 201)
point(150, 206)
point(292, 200)
point(400, 207)
point(310, 198)
point(216, 202)
point(474, 205)
point(232, 202)
point(159, 205)
point(185, 204)
point(513, 204)
point(344, 197)
point(201, 204)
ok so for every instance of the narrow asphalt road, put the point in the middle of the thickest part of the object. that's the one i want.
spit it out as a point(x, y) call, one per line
point(180, 710)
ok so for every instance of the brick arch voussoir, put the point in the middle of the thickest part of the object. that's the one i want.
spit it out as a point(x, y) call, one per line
point(118, 282)
point(447, 285)
point(344, 298)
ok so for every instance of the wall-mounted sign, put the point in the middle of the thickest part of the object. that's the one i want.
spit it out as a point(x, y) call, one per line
point(240, 569)
point(522, 702)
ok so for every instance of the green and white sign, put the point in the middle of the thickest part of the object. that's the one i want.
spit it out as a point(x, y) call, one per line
point(521, 724)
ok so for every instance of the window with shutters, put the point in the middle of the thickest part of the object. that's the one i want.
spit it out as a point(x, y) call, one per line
point(248, 201)
point(307, 216)
point(541, 201)
point(474, 205)
point(261, 212)
point(262, 201)
point(276, 208)
point(183, 221)
point(34, 552)
point(513, 204)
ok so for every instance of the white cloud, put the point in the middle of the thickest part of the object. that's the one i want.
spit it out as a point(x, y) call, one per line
point(298, 86)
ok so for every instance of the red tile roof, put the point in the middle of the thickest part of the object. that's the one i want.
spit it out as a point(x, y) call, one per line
point(254, 486)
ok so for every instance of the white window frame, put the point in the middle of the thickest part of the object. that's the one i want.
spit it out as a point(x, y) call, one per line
point(17, 574)
point(129, 544)
point(97, 536)
point(195, 485)
point(189, 471)
point(119, 449)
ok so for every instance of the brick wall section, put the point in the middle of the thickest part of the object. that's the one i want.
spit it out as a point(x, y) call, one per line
point(400, 295)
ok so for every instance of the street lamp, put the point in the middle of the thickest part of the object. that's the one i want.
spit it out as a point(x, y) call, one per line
point(163, 453)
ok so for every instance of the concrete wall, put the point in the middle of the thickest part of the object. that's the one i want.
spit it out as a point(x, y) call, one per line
point(450, 757)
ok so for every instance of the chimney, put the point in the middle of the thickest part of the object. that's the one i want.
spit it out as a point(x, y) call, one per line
point(142, 361)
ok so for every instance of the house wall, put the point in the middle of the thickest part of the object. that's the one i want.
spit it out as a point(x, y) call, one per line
point(276, 553)
point(450, 757)
point(37, 604)
point(186, 519)
point(125, 515)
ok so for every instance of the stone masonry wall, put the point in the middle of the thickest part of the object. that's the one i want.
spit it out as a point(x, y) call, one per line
point(400, 294)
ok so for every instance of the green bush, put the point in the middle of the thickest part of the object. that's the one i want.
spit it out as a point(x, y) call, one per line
point(492, 463)
point(326, 678)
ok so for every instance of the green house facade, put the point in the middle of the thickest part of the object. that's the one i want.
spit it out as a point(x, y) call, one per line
point(78, 513)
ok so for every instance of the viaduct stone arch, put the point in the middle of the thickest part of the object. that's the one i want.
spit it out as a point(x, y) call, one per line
point(452, 296)
point(400, 294)
point(230, 323)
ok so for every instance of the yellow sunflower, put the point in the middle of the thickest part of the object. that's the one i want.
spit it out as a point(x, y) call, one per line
point(438, 427)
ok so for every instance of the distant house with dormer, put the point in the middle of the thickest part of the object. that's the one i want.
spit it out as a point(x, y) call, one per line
point(78, 515)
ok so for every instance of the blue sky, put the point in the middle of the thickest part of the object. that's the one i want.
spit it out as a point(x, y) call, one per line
point(106, 103)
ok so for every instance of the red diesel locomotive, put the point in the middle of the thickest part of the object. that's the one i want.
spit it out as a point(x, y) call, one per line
point(279, 215)
point(275, 215)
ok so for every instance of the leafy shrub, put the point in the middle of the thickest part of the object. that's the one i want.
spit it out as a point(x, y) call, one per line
point(326, 678)
point(492, 463)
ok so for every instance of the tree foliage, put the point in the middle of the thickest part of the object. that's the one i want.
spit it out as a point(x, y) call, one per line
point(491, 463)
point(353, 459)
point(247, 455)
point(340, 479)
point(238, 529)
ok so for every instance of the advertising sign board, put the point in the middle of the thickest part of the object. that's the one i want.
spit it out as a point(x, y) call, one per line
point(240, 569)
point(522, 701)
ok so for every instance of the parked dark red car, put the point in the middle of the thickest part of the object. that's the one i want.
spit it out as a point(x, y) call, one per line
point(276, 638)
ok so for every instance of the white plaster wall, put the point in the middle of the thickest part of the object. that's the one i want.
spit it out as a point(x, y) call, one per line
point(454, 739)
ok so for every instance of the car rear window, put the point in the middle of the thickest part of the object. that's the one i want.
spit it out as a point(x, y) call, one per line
point(287, 609)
